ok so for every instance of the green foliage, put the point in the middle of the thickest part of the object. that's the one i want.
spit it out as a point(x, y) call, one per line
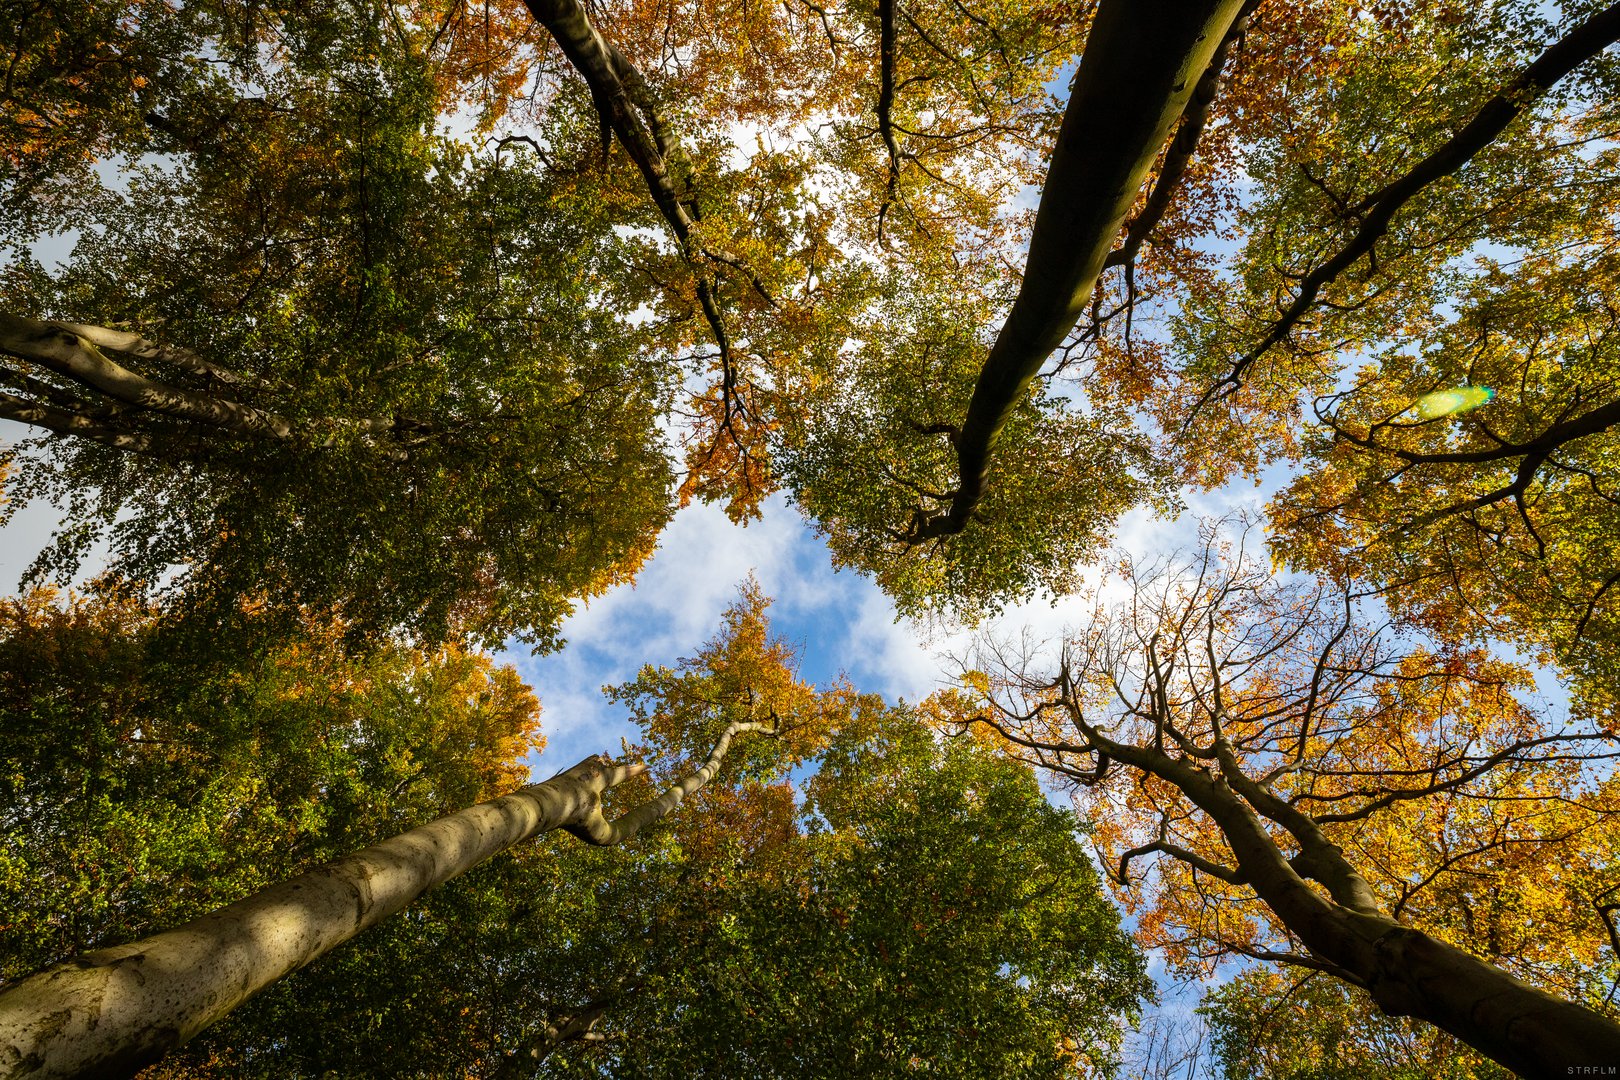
point(1311, 1027)
point(1497, 273)
point(869, 451)
point(141, 788)
point(956, 929)
point(1499, 520)
point(473, 443)
point(923, 903)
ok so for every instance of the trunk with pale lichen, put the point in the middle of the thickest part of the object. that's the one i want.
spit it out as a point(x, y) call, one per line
point(113, 1011)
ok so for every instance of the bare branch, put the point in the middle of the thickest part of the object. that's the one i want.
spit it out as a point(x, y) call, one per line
point(596, 829)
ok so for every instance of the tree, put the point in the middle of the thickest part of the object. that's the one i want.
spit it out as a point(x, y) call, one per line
point(752, 932)
point(1321, 796)
point(1241, 203)
point(1498, 518)
point(148, 777)
point(1470, 250)
point(752, 292)
point(1310, 1027)
point(1135, 81)
point(350, 405)
point(741, 938)
point(116, 1009)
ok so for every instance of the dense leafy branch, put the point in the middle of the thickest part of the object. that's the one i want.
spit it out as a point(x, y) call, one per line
point(77, 354)
point(622, 98)
point(1533, 454)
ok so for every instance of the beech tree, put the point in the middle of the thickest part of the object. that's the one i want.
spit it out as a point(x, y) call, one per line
point(1315, 794)
point(348, 405)
point(1378, 269)
point(879, 195)
point(116, 1009)
point(746, 935)
point(912, 899)
point(145, 776)
point(321, 356)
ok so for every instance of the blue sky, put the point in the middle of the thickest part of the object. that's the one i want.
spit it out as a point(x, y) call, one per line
point(841, 622)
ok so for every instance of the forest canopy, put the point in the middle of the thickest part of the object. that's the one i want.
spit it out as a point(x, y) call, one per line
point(351, 340)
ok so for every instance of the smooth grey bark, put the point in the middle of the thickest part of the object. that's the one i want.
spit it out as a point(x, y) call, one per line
point(71, 351)
point(1407, 972)
point(1179, 154)
point(1137, 74)
point(114, 1011)
point(621, 98)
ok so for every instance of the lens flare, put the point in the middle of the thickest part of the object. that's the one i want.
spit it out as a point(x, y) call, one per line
point(1450, 402)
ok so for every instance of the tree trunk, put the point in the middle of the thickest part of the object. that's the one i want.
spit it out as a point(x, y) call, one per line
point(114, 1011)
point(1407, 972)
point(1141, 63)
point(1531, 1032)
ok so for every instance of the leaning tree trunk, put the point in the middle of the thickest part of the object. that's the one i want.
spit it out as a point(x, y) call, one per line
point(113, 1011)
point(1142, 61)
point(1407, 972)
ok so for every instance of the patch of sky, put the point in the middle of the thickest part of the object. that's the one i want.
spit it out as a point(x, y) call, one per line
point(842, 624)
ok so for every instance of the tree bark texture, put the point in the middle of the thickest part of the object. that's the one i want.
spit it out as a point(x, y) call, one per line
point(115, 1011)
point(1407, 972)
point(74, 352)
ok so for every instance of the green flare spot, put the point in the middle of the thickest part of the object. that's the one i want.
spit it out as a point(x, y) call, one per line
point(1450, 402)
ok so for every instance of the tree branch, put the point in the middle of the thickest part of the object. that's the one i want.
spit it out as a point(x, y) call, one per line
point(1225, 873)
point(1178, 156)
point(1581, 44)
point(885, 107)
point(63, 350)
point(596, 829)
point(620, 93)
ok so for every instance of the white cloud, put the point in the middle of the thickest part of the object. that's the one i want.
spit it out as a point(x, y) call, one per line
point(843, 623)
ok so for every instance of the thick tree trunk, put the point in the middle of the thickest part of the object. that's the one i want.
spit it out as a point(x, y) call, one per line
point(114, 1011)
point(1407, 972)
point(1141, 63)
point(1533, 1033)
point(68, 350)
